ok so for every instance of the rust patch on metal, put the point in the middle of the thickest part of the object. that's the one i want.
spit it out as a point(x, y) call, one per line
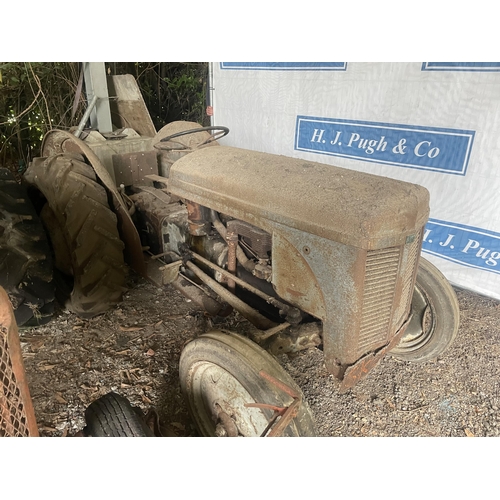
point(232, 245)
point(17, 416)
point(295, 293)
point(228, 424)
point(353, 374)
point(198, 219)
point(279, 384)
point(293, 278)
point(292, 340)
point(287, 414)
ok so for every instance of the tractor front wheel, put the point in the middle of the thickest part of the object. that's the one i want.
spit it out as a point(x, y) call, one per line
point(435, 320)
point(225, 378)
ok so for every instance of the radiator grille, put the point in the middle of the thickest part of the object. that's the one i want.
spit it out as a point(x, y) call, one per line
point(13, 420)
point(381, 274)
point(410, 259)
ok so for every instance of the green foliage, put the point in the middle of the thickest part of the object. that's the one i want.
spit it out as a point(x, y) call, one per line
point(37, 97)
point(34, 98)
point(172, 91)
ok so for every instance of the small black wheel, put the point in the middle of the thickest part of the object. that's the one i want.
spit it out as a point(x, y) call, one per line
point(435, 320)
point(25, 255)
point(220, 372)
point(113, 416)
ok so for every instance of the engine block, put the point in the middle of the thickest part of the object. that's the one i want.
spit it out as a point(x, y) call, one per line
point(345, 244)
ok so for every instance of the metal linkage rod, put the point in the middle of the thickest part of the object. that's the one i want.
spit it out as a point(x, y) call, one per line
point(243, 284)
point(85, 117)
point(243, 308)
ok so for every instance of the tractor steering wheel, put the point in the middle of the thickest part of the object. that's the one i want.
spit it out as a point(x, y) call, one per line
point(221, 132)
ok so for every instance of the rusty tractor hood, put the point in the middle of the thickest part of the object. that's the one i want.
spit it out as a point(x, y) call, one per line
point(354, 208)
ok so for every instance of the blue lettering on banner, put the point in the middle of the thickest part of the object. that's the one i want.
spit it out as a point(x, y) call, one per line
point(461, 66)
point(466, 245)
point(436, 149)
point(303, 66)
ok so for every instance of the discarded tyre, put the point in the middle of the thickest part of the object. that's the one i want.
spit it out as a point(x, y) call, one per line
point(113, 416)
point(83, 231)
point(25, 255)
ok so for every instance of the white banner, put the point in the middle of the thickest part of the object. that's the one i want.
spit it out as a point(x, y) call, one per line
point(434, 124)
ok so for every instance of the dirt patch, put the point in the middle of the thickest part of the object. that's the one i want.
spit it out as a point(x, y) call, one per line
point(134, 350)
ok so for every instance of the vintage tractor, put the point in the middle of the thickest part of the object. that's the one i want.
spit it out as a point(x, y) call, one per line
point(310, 254)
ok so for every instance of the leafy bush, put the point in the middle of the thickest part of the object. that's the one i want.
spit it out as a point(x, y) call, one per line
point(37, 97)
point(34, 98)
point(171, 91)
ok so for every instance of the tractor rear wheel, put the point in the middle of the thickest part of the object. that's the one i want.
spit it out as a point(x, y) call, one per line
point(83, 231)
point(25, 255)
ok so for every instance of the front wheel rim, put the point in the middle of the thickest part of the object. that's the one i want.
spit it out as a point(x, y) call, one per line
point(218, 396)
point(422, 324)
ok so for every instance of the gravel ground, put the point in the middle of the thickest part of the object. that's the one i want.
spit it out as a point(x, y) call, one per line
point(455, 395)
point(134, 350)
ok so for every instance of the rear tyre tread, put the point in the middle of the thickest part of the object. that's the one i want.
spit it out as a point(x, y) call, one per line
point(90, 230)
point(25, 255)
